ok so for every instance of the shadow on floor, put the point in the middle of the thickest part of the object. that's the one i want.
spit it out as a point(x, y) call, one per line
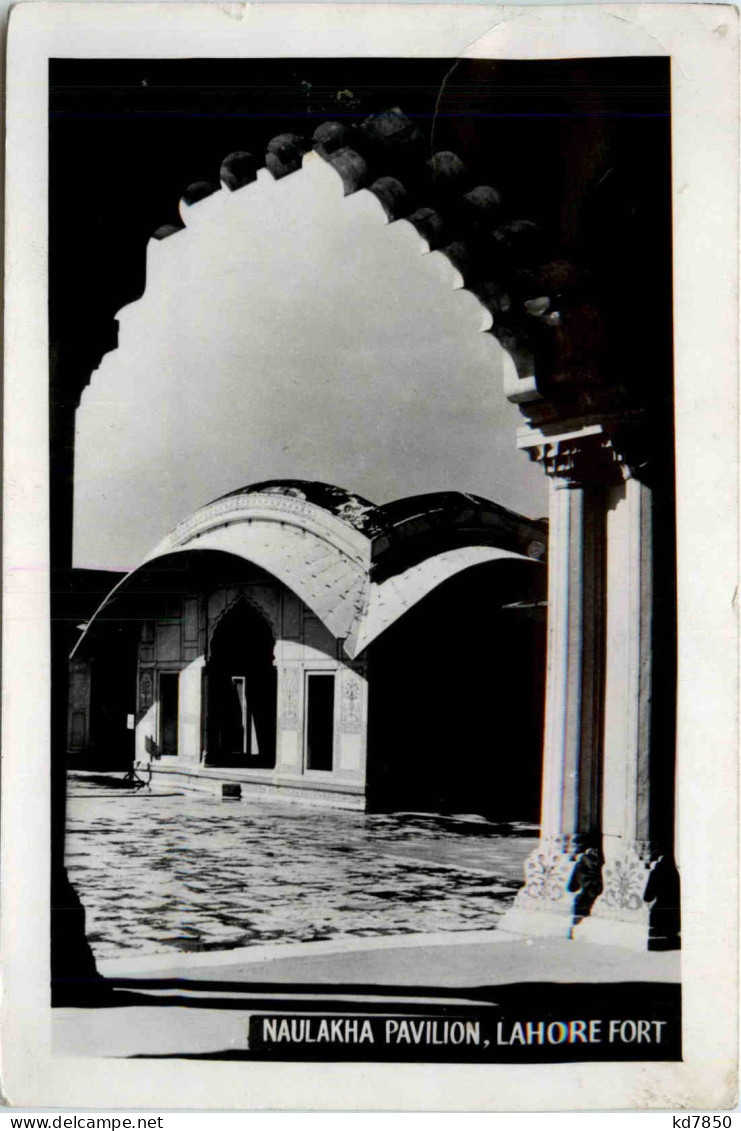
point(496, 1009)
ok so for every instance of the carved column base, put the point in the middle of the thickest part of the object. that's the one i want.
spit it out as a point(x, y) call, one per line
point(639, 903)
point(562, 880)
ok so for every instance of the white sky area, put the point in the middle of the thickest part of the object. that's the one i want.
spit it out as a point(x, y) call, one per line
point(291, 332)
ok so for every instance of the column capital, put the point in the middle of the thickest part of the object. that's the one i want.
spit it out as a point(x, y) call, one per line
point(578, 453)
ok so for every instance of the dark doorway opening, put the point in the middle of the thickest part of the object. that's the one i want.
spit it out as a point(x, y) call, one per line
point(319, 720)
point(169, 713)
point(240, 699)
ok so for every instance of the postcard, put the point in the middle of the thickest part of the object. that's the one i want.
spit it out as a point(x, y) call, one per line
point(370, 648)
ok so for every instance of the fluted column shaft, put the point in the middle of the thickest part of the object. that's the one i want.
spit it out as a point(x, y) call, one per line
point(571, 773)
point(597, 871)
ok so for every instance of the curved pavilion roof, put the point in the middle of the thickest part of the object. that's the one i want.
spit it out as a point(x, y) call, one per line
point(357, 566)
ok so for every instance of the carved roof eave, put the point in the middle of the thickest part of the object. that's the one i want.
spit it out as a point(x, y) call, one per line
point(355, 609)
point(281, 509)
point(319, 556)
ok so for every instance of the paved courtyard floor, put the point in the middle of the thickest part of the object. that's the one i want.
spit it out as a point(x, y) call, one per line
point(204, 913)
point(160, 873)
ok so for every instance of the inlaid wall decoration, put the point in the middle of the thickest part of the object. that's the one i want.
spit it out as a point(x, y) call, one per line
point(352, 703)
point(190, 620)
point(79, 687)
point(146, 691)
point(289, 698)
point(291, 616)
point(146, 645)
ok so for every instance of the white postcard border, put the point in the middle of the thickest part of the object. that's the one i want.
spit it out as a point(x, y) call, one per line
point(702, 41)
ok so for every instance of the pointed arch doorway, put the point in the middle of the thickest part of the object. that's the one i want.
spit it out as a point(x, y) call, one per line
point(240, 693)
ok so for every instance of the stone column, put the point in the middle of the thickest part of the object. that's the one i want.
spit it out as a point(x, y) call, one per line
point(205, 716)
point(599, 871)
point(639, 879)
point(562, 875)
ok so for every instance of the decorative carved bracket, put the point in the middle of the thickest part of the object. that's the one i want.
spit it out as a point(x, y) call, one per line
point(584, 453)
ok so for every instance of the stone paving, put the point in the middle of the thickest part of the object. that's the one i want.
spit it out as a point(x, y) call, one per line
point(190, 872)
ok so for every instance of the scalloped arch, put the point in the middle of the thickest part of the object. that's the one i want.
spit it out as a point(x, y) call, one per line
point(255, 605)
point(189, 329)
point(503, 261)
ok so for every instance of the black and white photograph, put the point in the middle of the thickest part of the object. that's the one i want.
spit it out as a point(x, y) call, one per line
point(362, 474)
